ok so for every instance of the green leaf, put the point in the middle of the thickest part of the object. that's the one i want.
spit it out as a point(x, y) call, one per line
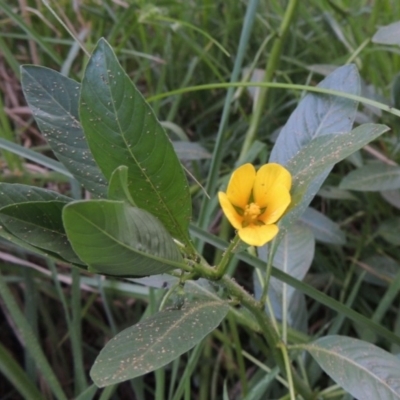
point(12, 193)
point(53, 99)
point(362, 369)
point(315, 117)
point(388, 34)
point(190, 150)
point(155, 341)
point(390, 230)
point(382, 270)
point(322, 227)
point(333, 192)
point(118, 187)
point(264, 381)
point(392, 197)
point(39, 223)
point(298, 317)
point(114, 238)
point(4, 233)
point(318, 115)
point(372, 178)
point(122, 129)
point(88, 393)
point(318, 156)
point(293, 256)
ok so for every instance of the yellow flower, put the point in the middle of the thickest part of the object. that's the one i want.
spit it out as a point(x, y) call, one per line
point(254, 201)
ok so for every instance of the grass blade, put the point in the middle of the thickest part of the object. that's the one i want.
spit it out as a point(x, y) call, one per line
point(30, 341)
point(15, 374)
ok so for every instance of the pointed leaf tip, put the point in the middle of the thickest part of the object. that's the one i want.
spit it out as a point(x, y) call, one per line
point(121, 128)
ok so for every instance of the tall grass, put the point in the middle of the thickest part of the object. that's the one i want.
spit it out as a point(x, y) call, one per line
point(56, 319)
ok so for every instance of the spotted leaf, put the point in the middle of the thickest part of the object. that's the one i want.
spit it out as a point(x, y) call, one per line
point(155, 341)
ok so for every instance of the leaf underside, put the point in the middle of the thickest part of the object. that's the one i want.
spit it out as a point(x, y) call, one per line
point(362, 369)
point(155, 341)
point(316, 116)
point(313, 159)
point(372, 178)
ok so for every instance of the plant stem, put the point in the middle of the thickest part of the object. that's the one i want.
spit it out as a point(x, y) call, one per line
point(256, 308)
point(248, 301)
point(268, 271)
point(226, 257)
point(204, 270)
point(273, 62)
point(267, 329)
point(167, 296)
point(283, 349)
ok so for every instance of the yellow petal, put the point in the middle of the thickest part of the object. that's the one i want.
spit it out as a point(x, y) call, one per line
point(240, 185)
point(267, 177)
point(258, 235)
point(233, 217)
point(276, 203)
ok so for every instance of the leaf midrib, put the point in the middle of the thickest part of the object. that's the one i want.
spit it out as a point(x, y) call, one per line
point(148, 178)
point(28, 222)
point(190, 311)
point(353, 363)
point(131, 249)
point(388, 174)
point(54, 99)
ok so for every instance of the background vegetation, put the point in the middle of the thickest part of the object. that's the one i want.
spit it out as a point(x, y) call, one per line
point(169, 45)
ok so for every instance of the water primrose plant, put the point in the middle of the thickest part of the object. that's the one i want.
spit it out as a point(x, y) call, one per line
point(136, 225)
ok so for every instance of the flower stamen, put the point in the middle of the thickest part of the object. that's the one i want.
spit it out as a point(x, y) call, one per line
point(251, 213)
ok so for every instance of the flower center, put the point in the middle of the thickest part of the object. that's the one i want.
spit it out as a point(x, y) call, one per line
point(250, 215)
